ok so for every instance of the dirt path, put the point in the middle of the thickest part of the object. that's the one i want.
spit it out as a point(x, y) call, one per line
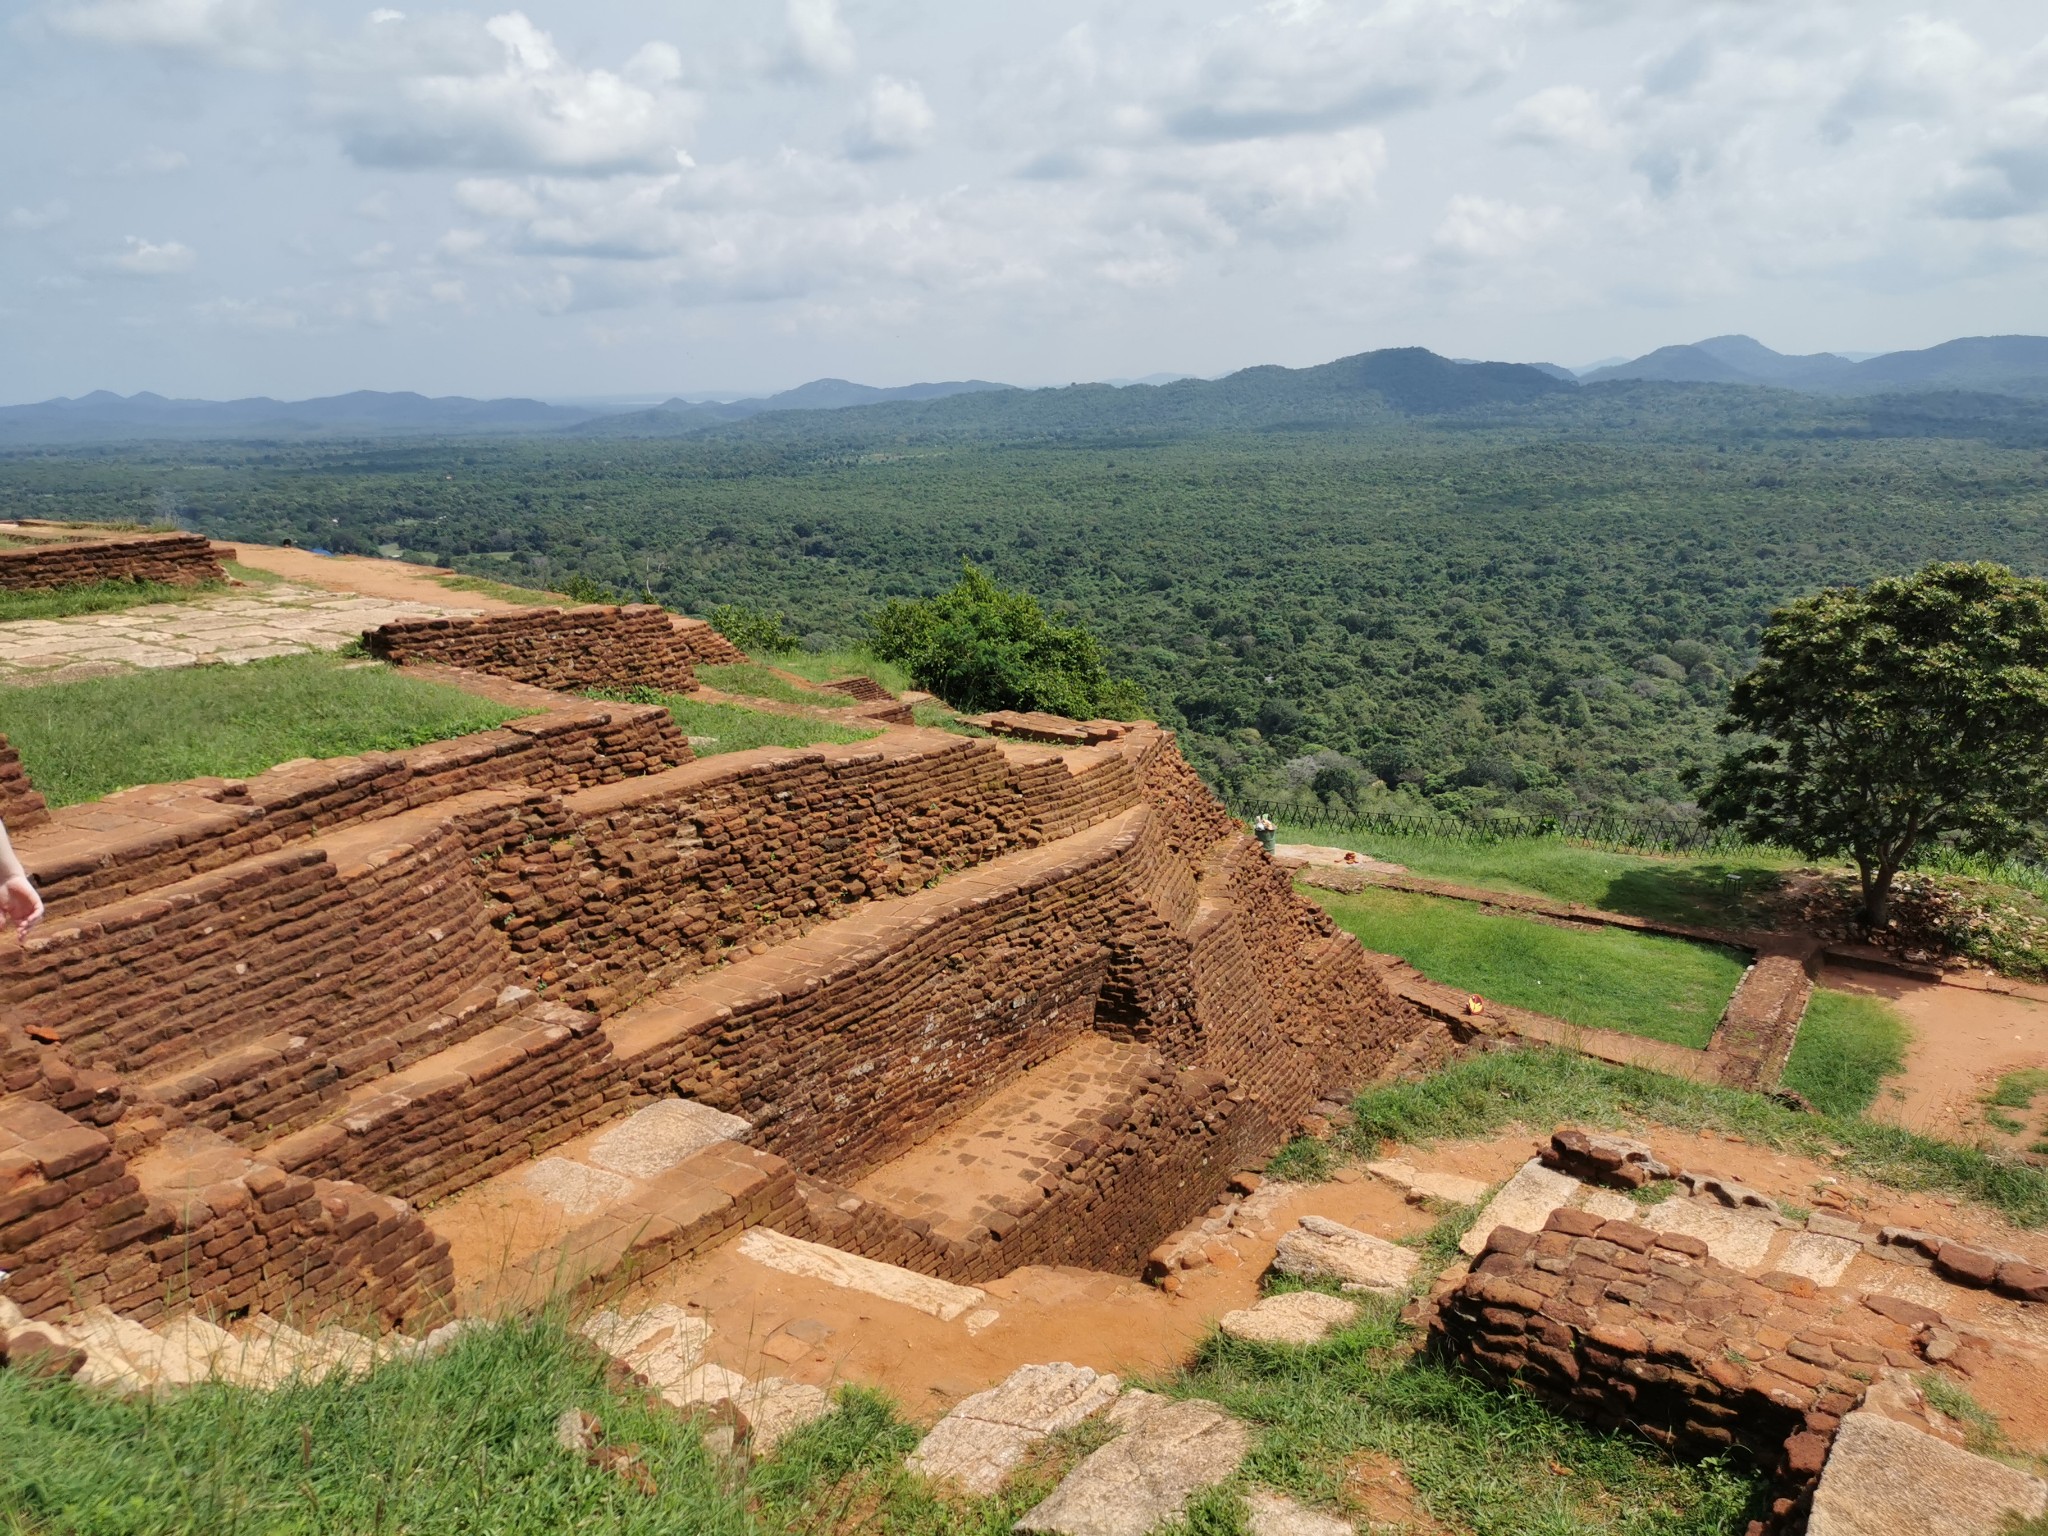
point(1963, 1040)
point(393, 580)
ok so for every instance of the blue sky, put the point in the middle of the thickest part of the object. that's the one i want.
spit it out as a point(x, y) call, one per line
point(228, 197)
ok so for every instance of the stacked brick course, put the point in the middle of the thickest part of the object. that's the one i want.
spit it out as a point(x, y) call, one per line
point(20, 806)
point(603, 647)
point(168, 559)
point(1631, 1328)
point(703, 645)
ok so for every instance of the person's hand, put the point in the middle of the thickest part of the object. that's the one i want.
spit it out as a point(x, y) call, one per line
point(20, 905)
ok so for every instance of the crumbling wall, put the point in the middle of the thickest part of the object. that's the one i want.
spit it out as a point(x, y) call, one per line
point(168, 559)
point(601, 647)
point(1641, 1330)
point(703, 645)
point(20, 806)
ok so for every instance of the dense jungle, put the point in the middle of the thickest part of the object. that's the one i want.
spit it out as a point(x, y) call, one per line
point(1480, 591)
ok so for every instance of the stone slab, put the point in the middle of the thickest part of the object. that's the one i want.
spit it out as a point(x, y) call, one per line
point(987, 1434)
point(1819, 1257)
point(653, 1140)
point(665, 1343)
point(1323, 1249)
point(1293, 1317)
point(1739, 1238)
point(1168, 1452)
point(1884, 1478)
point(776, 1408)
point(577, 1189)
point(793, 1256)
point(1274, 1514)
point(1451, 1188)
point(1524, 1202)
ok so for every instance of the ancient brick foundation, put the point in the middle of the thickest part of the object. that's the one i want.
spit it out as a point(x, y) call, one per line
point(601, 647)
point(167, 559)
point(20, 806)
point(270, 1013)
point(1630, 1328)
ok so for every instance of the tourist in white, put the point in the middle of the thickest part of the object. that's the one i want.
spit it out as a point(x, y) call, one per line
point(19, 903)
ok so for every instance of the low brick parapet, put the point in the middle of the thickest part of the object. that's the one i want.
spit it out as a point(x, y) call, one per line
point(20, 806)
point(636, 646)
point(1636, 1329)
point(166, 559)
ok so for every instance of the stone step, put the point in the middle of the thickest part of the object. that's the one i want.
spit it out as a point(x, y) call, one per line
point(638, 1194)
point(994, 1164)
point(457, 1116)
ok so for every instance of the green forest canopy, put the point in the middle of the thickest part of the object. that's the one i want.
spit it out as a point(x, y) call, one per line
point(1538, 603)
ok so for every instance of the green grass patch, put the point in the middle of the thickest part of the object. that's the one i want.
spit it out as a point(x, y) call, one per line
point(733, 728)
point(830, 666)
point(1495, 1463)
point(504, 592)
point(943, 717)
point(1848, 1044)
point(1720, 891)
point(251, 575)
point(1542, 1088)
point(97, 597)
point(86, 739)
point(2017, 1090)
point(1642, 984)
point(756, 680)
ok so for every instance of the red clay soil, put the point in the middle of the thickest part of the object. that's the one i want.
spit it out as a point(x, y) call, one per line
point(1963, 1041)
point(372, 578)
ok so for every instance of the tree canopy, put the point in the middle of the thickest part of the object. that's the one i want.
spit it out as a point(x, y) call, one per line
point(1910, 710)
point(981, 645)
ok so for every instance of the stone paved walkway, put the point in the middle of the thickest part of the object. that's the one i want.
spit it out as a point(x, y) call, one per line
point(244, 625)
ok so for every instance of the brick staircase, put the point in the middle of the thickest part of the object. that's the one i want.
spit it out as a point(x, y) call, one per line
point(270, 1022)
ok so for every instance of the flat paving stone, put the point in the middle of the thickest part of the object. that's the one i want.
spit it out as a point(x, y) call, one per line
point(1452, 1188)
point(655, 1139)
point(1275, 1514)
point(1292, 1317)
point(986, 1435)
point(1320, 1248)
point(1524, 1202)
point(793, 1256)
point(578, 1189)
point(1819, 1257)
point(1740, 1239)
point(1168, 1452)
point(1884, 1478)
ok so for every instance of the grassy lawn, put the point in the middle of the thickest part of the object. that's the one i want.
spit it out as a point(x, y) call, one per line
point(829, 666)
point(465, 1443)
point(1848, 1044)
point(1666, 989)
point(86, 739)
point(1544, 1088)
point(97, 597)
point(731, 728)
point(1721, 891)
point(758, 681)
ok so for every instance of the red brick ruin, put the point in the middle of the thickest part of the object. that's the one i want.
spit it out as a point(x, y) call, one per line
point(271, 1024)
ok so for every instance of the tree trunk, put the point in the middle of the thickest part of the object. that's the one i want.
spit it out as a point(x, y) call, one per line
point(1877, 895)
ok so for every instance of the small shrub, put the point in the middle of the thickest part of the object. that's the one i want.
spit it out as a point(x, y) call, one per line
point(754, 631)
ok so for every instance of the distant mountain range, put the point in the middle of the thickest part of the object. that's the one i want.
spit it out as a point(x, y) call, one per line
point(1401, 380)
point(2009, 365)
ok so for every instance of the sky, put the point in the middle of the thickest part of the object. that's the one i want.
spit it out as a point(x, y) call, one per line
point(220, 198)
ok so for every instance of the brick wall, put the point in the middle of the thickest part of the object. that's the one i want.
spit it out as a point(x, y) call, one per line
point(170, 559)
point(1643, 1330)
point(141, 839)
point(703, 645)
point(20, 806)
point(601, 647)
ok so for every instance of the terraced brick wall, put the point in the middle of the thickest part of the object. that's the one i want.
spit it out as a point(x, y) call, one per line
point(169, 559)
point(603, 647)
point(20, 806)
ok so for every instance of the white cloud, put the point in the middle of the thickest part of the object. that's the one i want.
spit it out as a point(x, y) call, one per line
point(145, 258)
point(1568, 115)
point(52, 213)
point(528, 109)
point(245, 33)
point(894, 119)
point(818, 42)
point(1491, 229)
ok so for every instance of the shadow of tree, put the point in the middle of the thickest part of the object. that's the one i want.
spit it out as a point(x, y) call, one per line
point(1707, 895)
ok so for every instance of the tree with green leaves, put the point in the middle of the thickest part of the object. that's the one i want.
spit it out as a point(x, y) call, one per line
point(980, 645)
point(1889, 716)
